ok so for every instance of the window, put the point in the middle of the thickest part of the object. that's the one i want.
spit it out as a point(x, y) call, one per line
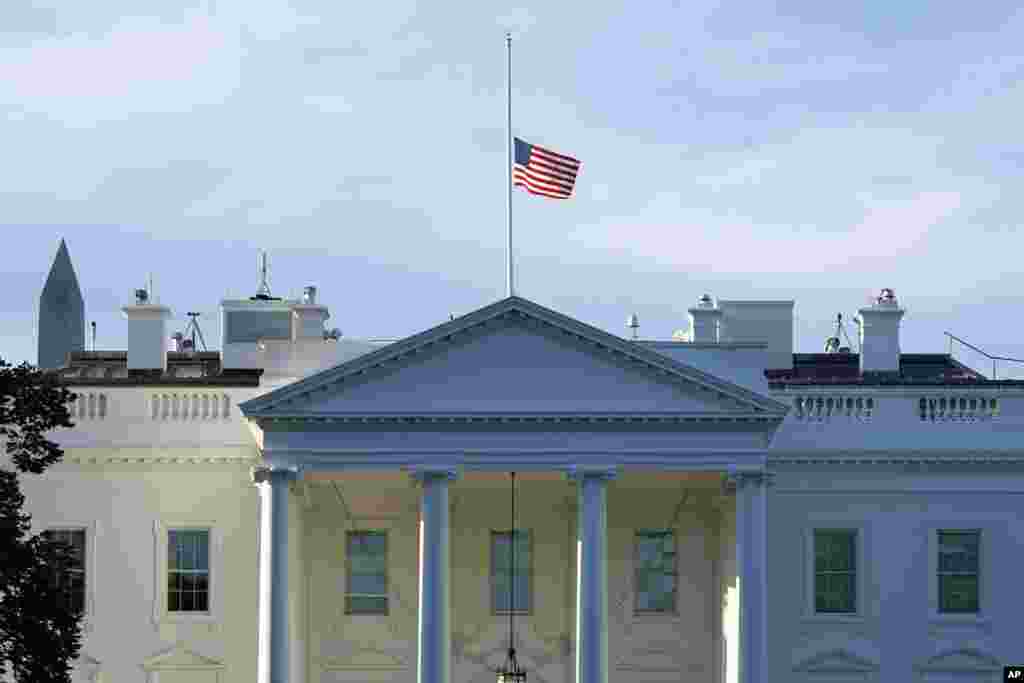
point(655, 565)
point(367, 577)
point(501, 577)
point(252, 326)
point(71, 578)
point(835, 571)
point(958, 571)
point(188, 570)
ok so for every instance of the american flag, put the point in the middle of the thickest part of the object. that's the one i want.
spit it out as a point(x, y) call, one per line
point(544, 172)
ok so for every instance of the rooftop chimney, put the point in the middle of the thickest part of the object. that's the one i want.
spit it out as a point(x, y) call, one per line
point(147, 334)
point(767, 322)
point(705, 320)
point(880, 334)
point(310, 316)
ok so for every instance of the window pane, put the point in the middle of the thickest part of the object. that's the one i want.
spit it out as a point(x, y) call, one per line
point(501, 570)
point(187, 601)
point(834, 550)
point(834, 593)
point(202, 582)
point(366, 605)
point(655, 570)
point(835, 570)
point(958, 593)
point(202, 601)
point(69, 576)
point(172, 550)
point(367, 572)
point(77, 541)
point(958, 551)
point(173, 601)
point(203, 550)
point(367, 583)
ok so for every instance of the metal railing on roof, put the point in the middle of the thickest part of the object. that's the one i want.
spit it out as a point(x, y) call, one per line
point(992, 358)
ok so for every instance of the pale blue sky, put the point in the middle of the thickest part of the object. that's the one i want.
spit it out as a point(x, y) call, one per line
point(805, 150)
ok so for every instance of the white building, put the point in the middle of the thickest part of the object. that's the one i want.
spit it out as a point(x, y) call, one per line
point(718, 509)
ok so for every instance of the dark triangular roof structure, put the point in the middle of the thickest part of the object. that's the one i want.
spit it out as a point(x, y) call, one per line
point(600, 341)
point(61, 313)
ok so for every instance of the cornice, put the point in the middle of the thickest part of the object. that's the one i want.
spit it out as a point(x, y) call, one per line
point(828, 457)
point(536, 418)
point(159, 460)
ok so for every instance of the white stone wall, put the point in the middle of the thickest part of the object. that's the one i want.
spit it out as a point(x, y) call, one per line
point(124, 508)
point(898, 635)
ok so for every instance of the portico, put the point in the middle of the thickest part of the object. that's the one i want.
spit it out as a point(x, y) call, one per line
point(517, 387)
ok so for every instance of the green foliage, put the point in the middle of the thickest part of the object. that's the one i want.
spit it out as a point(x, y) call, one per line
point(39, 636)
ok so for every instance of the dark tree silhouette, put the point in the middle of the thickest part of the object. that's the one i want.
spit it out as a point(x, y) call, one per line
point(39, 630)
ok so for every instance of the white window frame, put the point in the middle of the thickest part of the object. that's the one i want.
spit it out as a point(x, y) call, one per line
point(862, 567)
point(635, 592)
point(988, 535)
point(91, 529)
point(492, 573)
point(388, 606)
point(216, 557)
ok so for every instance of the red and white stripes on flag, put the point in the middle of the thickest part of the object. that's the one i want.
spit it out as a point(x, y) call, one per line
point(544, 172)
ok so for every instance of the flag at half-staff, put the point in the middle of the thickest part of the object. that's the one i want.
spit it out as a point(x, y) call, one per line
point(544, 172)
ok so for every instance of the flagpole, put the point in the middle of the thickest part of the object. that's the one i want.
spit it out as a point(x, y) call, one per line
point(508, 162)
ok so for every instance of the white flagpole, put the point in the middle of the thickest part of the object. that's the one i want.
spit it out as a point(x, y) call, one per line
point(508, 163)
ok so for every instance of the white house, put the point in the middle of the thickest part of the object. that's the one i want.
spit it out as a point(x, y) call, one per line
point(303, 507)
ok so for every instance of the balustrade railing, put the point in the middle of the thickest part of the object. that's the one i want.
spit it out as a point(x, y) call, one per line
point(957, 408)
point(820, 408)
point(190, 406)
point(89, 405)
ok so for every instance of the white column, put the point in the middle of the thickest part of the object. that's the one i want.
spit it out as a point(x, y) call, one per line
point(592, 575)
point(276, 546)
point(433, 662)
point(752, 570)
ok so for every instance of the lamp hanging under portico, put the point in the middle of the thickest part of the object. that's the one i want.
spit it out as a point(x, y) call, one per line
point(511, 671)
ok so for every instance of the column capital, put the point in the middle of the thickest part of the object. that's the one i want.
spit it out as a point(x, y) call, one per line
point(419, 474)
point(736, 480)
point(581, 472)
point(259, 475)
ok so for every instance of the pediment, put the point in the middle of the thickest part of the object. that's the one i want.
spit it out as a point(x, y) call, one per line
point(364, 659)
point(180, 658)
point(835, 660)
point(650, 660)
point(964, 658)
point(512, 357)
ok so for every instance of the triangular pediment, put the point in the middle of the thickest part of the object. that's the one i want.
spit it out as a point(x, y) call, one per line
point(512, 357)
point(965, 658)
point(835, 660)
point(364, 659)
point(180, 658)
point(650, 660)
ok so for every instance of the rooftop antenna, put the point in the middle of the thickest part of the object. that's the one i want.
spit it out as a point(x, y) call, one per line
point(833, 344)
point(263, 291)
point(152, 294)
point(633, 322)
point(93, 324)
point(193, 329)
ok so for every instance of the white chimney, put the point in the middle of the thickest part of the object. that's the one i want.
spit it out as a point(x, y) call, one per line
point(147, 335)
point(309, 316)
point(880, 334)
point(705, 320)
point(767, 322)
